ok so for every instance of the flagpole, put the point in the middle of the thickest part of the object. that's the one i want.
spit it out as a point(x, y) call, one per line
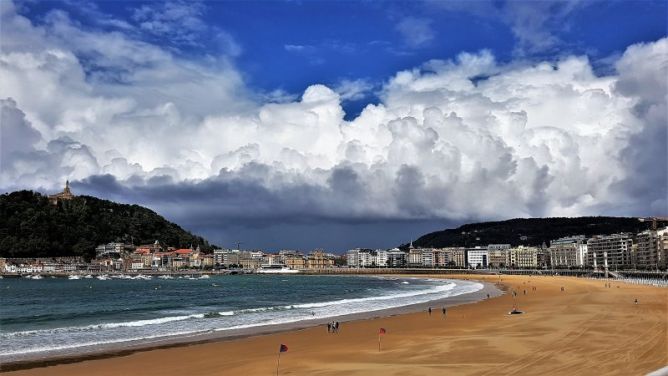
point(278, 363)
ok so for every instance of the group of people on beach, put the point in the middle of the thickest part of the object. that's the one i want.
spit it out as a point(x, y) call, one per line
point(333, 327)
point(443, 310)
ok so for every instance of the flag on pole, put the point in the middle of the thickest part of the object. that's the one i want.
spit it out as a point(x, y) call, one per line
point(381, 332)
point(281, 349)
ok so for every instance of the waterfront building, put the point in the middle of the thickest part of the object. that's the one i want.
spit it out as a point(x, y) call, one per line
point(610, 251)
point(380, 258)
point(477, 257)
point(365, 259)
point(568, 252)
point(455, 256)
point(360, 258)
point(440, 258)
point(352, 258)
point(498, 257)
point(207, 260)
point(414, 257)
point(142, 255)
point(226, 257)
point(523, 257)
point(295, 261)
point(543, 257)
point(65, 195)
point(396, 258)
point(651, 251)
point(318, 259)
point(428, 259)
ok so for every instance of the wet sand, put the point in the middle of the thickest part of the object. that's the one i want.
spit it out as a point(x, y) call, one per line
point(586, 329)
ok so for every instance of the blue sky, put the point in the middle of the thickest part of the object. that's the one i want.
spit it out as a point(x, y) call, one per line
point(304, 124)
point(289, 45)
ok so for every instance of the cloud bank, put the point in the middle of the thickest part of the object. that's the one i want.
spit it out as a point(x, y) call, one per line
point(461, 139)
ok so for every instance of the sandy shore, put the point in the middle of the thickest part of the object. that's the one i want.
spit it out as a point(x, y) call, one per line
point(587, 329)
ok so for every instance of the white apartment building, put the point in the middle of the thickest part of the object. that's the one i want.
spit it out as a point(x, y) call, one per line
point(380, 258)
point(477, 257)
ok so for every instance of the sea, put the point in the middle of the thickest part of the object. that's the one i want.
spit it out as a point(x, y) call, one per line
point(39, 318)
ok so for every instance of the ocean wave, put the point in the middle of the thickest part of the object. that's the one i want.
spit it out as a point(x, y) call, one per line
point(433, 290)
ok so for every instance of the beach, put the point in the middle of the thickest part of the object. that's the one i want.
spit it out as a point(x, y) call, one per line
point(586, 329)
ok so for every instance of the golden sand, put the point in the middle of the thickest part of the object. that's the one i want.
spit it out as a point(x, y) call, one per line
point(587, 329)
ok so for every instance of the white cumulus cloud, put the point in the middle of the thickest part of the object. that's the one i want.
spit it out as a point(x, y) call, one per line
point(459, 139)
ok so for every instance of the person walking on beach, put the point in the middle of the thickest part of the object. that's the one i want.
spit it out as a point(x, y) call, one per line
point(329, 327)
point(636, 301)
point(429, 310)
point(444, 311)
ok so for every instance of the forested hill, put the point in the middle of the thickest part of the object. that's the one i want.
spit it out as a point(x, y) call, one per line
point(32, 227)
point(530, 231)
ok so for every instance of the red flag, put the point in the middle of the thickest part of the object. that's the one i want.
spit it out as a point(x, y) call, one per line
point(381, 331)
point(283, 348)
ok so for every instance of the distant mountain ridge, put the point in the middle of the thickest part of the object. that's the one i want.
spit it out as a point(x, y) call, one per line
point(31, 226)
point(530, 231)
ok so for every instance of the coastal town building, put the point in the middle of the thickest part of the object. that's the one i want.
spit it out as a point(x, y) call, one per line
point(428, 259)
point(455, 256)
point(440, 258)
point(568, 252)
point(543, 257)
point(414, 257)
point(396, 258)
point(650, 252)
point(610, 251)
point(380, 258)
point(523, 257)
point(318, 259)
point(477, 257)
point(65, 195)
point(498, 258)
point(292, 259)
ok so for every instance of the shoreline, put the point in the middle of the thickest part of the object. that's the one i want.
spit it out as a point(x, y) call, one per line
point(114, 350)
point(573, 326)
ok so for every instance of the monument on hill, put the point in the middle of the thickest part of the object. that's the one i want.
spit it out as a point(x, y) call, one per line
point(66, 194)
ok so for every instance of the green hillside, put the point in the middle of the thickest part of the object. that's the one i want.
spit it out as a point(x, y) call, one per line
point(530, 231)
point(32, 227)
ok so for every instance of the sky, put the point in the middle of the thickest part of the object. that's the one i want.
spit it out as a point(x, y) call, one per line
point(315, 124)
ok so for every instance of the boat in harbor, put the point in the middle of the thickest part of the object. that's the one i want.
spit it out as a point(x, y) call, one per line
point(276, 269)
point(73, 276)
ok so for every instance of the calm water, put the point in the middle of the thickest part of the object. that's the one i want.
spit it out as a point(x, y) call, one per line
point(41, 316)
